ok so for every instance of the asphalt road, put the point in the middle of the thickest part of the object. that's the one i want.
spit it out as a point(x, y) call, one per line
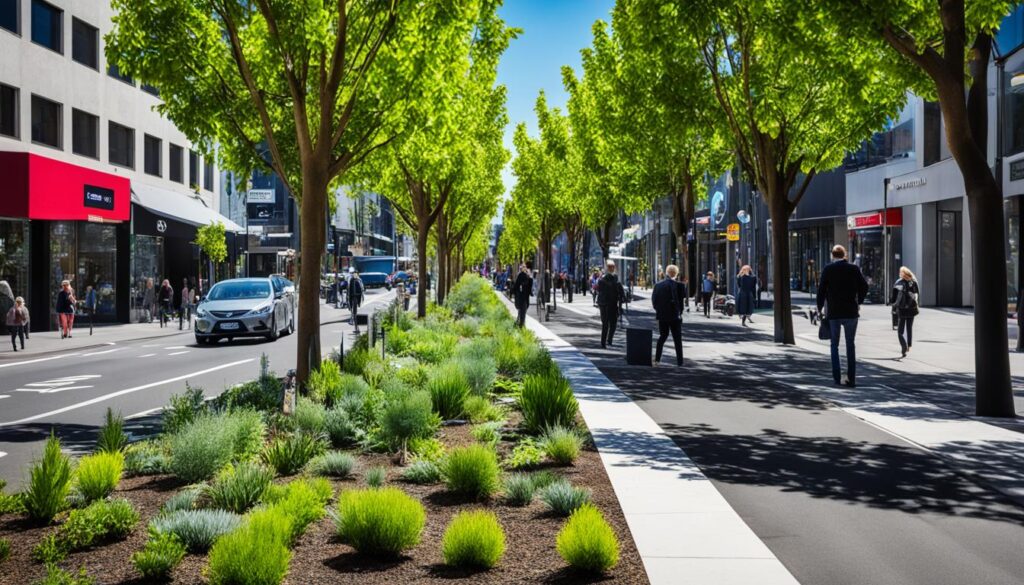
point(69, 393)
point(839, 501)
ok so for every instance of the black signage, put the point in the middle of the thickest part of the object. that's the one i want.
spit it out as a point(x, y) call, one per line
point(260, 213)
point(99, 197)
point(1017, 170)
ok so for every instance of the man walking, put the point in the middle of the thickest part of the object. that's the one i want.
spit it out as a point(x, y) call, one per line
point(355, 297)
point(610, 295)
point(522, 288)
point(667, 298)
point(842, 290)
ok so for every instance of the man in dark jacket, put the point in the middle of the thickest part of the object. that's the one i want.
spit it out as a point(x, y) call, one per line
point(610, 295)
point(522, 288)
point(667, 298)
point(842, 290)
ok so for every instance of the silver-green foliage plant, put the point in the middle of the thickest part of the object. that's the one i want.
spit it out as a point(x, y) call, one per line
point(562, 445)
point(379, 522)
point(422, 472)
point(98, 475)
point(480, 372)
point(185, 499)
point(562, 498)
point(197, 529)
point(376, 476)
point(587, 542)
point(239, 487)
point(408, 418)
point(210, 442)
point(519, 489)
point(333, 464)
point(145, 458)
point(49, 483)
point(473, 539)
point(340, 428)
point(310, 416)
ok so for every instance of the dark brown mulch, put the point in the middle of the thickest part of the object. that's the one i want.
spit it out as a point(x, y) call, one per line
point(318, 557)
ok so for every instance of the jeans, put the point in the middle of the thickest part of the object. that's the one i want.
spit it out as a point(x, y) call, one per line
point(705, 298)
point(906, 324)
point(676, 328)
point(609, 315)
point(849, 327)
point(17, 332)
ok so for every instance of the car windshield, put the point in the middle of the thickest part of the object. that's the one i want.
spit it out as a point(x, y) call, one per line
point(226, 291)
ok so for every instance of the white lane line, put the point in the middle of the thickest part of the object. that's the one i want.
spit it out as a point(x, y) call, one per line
point(2, 454)
point(147, 355)
point(150, 345)
point(143, 413)
point(2, 396)
point(102, 352)
point(52, 390)
point(36, 361)
point(178, 352)
point(175, 347)
point(123, 392)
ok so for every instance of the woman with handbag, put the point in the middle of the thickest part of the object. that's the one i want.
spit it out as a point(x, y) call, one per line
point(904, 300)
point(65, 309)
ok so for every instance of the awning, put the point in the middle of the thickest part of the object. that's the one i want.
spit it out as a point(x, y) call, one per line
point(179, 207)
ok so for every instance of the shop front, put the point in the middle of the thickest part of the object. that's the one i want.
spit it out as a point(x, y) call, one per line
point(872, 237)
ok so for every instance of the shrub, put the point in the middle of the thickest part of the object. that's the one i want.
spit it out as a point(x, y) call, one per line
point(58, 576)
point(239, 487)
point(479, 409)
point(409, 418)
point(144, 458)
point(524, 455)
point(290, 454)
point(158, 558)
point(183, 500)
point(422, 472)
point(112, 437)
point(310, 417)
point(256, 554)
point(487, 433)
point(49, 550)
point(339, 427)
point(303, 501)
point(379, 522)
point(325, 382)
point(49, 483)
point(587, 542)
point(473, 539)
point(376, 476)
point(427, 449)
point(562, 445)
point(547, 401)
point(448, 390)
point(356, 360)
point(183, 409)
point(509, 354)
point(413, 375)
point(519, 489)
point(480, 373)
point(100, 521)
point(333, 464)
point(375, 372)
point(536, 360)
point(99, 474)
point(5, 549)
point(265, 394)
point(563, 498)
point(210, 442)
point(196, 529)
point(472, 471)
point(9, 503)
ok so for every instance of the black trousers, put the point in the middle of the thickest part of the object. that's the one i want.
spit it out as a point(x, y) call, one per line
point(609, 316)
point(676, 329)
point(17, 332)
point(521, 314)
point(906, 325)
point(705, 298)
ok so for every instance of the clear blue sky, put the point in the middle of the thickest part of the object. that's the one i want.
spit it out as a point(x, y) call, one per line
point(554, 31)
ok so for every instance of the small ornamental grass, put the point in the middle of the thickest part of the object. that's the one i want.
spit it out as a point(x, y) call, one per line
point(255, 554)
point(186, 499)
point(49, 483)
point(480, 372)
point(210, 442)
point(381, 522)
point(479, 410)
point(587, 542)
point(547, 401)
point(422, 472)
point(487, 433)
point(410, 417)
point(448, 390)
point(5, 549)
point(158, 558)
point(144, 458)
point(376, 476)
point(333, 464)
point(310, 416)
point(340, 428)
point(562, 445)
point(239, 487)
point(304, 501)
point(519, 489)
point(472, 471)
point(112, 437)
point(473, 539)
point(197, 529)
point(563, 498)
point(98, 475)
point(290, 454)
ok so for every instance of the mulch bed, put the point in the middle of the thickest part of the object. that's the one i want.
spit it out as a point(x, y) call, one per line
point(318, 557)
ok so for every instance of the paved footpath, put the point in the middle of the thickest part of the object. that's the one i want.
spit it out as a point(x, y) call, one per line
point(836, 498)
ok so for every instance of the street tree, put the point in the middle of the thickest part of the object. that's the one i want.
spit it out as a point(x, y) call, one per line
point(211, 239)
point(307, 90)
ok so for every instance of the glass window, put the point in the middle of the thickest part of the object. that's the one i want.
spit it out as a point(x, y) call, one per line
point(14, 255)
point(85, 43)
point(152, 152)
point(252, 289)
point(114, 72)
point(1012, 214)
point(121, 141)
point(1011, 31)
point(47, 25)
point(97, 266)
point(85, 134)
point(933, 138)
point(193, 169)
point(177, 163)
point(208, 175)
point(147, 263)
point(9, 111)
point(46, 122)
point(62, 263)
point(9, 16)
point(150, 89)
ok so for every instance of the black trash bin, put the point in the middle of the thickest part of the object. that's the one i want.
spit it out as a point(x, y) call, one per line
point(638, 346)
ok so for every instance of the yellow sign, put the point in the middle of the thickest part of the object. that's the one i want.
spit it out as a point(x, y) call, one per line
point(732, 232)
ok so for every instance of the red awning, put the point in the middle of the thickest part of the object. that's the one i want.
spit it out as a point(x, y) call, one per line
point(893, 217)
point(37, 187)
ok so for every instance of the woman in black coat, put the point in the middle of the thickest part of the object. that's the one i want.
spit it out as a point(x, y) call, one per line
point(746, 288)
point(904, 301)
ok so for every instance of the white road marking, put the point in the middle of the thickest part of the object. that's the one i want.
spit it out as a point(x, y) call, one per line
point(52, 390)
point(36, 361)
point(123, 392)
point(175, 347)
point(2, 396)
point(143, 413)
point(151, 345)
point(58, 384)
point(2, 454)
point(178, 352)
point(147, 355)
point(102, 352)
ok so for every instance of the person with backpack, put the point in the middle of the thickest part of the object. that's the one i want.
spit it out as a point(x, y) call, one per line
point(904, 300)
point(355, 297)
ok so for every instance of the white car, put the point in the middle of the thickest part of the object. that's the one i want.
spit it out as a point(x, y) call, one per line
point(246, 307)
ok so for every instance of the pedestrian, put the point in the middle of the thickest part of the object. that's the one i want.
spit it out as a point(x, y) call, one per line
point(610, 295)
point(522, 288)
point(17, 322)
point(6, 302)
point(904, 301)
point(166, 299)
point(65, 308)
point(686, 293)
point(594, 278)
point(148, 301)
point(841, 291)
point(90, 305)
point(185, 308)
point(746, 289)
point(355, 296)
point(667, 298)
point(564, 283)
point(707, 292)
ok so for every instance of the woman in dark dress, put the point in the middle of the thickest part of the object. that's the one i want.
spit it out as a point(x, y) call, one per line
point(746, 288)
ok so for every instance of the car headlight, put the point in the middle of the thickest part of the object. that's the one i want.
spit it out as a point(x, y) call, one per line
point(200, 312)
point(263, 310)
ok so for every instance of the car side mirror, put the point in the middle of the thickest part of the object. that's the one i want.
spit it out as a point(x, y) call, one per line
point(279, 294)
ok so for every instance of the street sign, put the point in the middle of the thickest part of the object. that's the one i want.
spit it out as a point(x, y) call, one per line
point(261, 196)
point(732, 232)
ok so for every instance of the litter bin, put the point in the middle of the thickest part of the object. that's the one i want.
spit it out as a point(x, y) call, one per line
point(638, 346)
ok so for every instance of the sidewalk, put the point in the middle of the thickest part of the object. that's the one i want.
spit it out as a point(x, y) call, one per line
point(47, 342)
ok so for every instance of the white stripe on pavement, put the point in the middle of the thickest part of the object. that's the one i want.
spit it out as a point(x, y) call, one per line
point(2, 454)
point(36, 361)
point(178, 352)
point(2, 396)
point(147, 355)
point(175, 347)
point(123, 392)
point(103, 352)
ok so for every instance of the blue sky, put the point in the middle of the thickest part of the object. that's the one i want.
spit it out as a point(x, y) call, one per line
point(554, 31)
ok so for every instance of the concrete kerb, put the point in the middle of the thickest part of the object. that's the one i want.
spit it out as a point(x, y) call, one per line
point(683, 528)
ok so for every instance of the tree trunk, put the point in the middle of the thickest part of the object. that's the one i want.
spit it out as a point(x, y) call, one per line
point(681, 204)
point(311, 241)
point(779, 211)
point(443, 252)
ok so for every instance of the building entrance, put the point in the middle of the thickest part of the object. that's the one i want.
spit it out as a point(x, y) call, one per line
point(948, 282)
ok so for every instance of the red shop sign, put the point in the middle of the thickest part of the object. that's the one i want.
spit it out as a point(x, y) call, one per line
point(37, 187)
point(894, 218)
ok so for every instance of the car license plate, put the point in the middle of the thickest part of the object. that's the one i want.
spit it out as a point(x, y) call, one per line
point(226, 326)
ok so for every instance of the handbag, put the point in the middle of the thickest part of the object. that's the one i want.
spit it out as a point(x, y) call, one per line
point(824, 329)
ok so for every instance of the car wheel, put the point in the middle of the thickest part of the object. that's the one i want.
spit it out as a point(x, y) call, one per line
point(200, 340)
point(272, 336)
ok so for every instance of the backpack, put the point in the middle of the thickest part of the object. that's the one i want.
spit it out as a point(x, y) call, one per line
point(907, 299)
point(356, 288)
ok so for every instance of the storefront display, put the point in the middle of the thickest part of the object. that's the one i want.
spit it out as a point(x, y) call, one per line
point(868, 246)
point(14, 255)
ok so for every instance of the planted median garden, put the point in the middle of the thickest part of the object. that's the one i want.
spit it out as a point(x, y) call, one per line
point(453, 449)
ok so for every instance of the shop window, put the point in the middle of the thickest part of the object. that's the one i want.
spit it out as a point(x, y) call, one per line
point(193, 169)
point(208, 175)
point(46, 122)
point(9, 111)
point(9, 17)
point(114, 72)
point(121, 142)
point(933, 138)
point(48, 26)
point(14, 253)
point(85, 43)
point(152, 151)
point(177, 161)
point(85, 134)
